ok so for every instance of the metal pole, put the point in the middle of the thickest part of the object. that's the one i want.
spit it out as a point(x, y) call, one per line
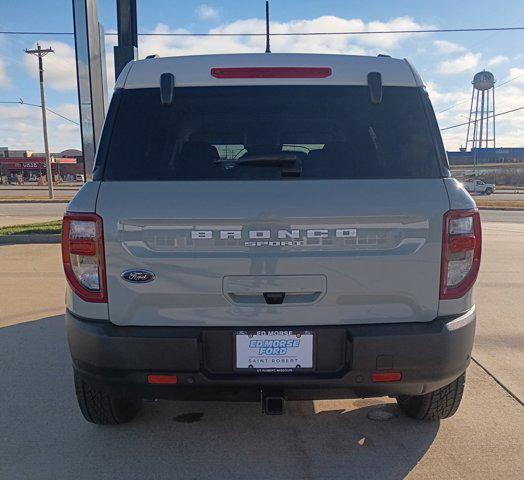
point(268, 49)
point(127, 48)
point(470, 115)
point(475, 121)
point(481, 119)
point(487, 118)
point(40, 53)
point(475, 137)
point(494, 136)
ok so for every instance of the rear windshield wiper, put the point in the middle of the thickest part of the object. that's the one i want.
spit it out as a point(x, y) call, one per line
point(290, 163)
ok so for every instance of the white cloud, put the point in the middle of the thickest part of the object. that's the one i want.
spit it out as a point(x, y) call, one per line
point(443, 99)
point(497, 60)
point(346, 44)
point(21, 128)
point(517, 74)
point(445, 47)
point(205, 12)
point(464, 63)
point(5, 81)
point(59, 67)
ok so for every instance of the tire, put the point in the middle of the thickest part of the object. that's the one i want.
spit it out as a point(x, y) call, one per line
point(488, 191)
point(100, 407)
point(442, 403)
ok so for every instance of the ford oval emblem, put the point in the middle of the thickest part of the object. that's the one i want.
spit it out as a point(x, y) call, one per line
point(138, 276)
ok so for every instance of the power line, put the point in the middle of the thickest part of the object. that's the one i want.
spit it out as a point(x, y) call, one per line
point(466, 99)
point(21, 102)
point(473, 121)
point(285, 34)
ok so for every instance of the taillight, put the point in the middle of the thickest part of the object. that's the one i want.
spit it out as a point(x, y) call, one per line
point(461, 248)
point(83, 255)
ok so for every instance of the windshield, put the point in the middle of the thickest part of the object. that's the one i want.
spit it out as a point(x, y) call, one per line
point(334, 132)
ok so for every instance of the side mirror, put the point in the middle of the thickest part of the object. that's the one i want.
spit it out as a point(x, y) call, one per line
point(375, 87)
point(167, 89)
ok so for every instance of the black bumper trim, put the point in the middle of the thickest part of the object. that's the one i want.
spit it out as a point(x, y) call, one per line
point(429, 355)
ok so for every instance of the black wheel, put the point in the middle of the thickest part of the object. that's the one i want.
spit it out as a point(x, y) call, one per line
point(489, 191)
point(442, 403)
point(102, 408)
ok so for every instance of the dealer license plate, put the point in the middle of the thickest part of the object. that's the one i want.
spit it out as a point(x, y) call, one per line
point(274, 350)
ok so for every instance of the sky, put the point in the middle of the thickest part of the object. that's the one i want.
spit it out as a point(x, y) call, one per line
point(446, 61)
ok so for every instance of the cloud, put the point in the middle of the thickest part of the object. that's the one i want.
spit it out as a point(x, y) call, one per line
point(205, 12)
point(517, 74)
point(464, 63)
point(5, 81)
point(21, 128)
point(445, 47)
point(497, 60)
point(59, 67)
point(443, 99)
point(344, 44)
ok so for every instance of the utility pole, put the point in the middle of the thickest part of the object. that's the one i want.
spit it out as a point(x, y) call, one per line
point(41, 53)
point(268, 48)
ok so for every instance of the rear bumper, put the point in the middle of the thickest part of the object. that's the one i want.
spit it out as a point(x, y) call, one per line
point(429, 356)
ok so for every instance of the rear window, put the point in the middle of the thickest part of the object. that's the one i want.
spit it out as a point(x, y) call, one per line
point(251, 133)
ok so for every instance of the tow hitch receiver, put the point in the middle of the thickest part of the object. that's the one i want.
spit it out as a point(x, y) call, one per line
point(272, 402)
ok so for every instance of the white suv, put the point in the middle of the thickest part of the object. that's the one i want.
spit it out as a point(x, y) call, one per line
point(270, 227)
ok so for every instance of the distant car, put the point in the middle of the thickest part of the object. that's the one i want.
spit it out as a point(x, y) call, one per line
point(79, 177)
point(478, 186)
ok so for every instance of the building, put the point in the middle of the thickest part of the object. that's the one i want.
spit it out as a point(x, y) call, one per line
point(486, 156)
point(31, 165)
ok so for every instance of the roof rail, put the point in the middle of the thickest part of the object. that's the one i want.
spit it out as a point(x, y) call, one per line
point(383, 55)
point(152, 56)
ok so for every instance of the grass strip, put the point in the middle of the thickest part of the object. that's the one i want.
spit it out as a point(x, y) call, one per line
point(54, 227)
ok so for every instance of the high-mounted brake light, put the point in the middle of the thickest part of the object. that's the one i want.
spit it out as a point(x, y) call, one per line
point(461, 251)
point(83, 256)
point(271, 72)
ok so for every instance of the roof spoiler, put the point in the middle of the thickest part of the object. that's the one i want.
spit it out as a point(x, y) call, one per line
point(375, 87)
point(167, 89)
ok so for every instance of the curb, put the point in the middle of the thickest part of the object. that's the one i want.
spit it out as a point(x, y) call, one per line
point(25, 239)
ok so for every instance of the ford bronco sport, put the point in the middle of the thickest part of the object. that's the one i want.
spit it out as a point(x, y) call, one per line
point(270, 227)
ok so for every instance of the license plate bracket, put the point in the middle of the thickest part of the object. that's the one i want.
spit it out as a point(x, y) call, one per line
point(274, 351)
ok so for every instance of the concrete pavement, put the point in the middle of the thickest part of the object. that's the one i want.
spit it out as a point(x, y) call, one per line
point(499, 295)
point(45, 437)
point(21, 213)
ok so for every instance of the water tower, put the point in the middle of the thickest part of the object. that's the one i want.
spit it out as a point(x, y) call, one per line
point(481, 126)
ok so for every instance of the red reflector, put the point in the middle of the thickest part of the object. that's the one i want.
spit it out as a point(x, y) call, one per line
point(386, 376)
point(162, 379)
point(461, 244)
point(82, 247)
point(272, 72)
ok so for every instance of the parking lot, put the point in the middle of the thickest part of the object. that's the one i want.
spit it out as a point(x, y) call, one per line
point(44, 435)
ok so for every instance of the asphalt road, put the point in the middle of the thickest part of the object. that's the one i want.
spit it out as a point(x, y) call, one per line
point(44, 436)
point(32, 189)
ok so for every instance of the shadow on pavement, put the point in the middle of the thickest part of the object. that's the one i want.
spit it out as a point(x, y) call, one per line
point(44, 436)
